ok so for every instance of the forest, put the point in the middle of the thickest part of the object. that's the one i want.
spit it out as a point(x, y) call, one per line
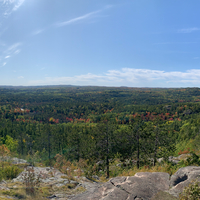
point(92, 125)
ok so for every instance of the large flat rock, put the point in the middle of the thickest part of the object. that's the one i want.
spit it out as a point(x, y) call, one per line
point(141, 186)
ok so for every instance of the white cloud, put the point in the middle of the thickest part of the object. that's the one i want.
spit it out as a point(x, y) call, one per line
point(14, 46)
point(13, 49)
point(8, 6)
point(17, 51)
point(9, 51)
point(129, 77)
point(20, 77)
point(78, 18)
point(38, 31)
point(3, 64)
point(188, 30)
point(83, 17)
point(18, 4)
point(90, 15)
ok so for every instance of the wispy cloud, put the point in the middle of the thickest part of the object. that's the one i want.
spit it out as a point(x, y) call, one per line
point(8, 6)
point(90, 15)
point(78, 18)
point(8, 51)
point(13, 49)
point(188, 30)
point(18, 4)
point(20, 77)
point(38, 31)
point(127, 76)
point(83, 17)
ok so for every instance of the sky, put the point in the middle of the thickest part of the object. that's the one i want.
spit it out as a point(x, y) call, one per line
point(134, 43)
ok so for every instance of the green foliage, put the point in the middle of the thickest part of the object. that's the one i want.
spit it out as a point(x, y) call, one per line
point(192, 192)
point(193, 159)
point(11, 143)
point(9, 172)
point(143, 123)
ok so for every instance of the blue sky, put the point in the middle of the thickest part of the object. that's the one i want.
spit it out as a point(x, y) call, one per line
point(136, 43)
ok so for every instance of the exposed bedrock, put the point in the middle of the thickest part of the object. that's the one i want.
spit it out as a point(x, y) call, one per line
point(143, 186)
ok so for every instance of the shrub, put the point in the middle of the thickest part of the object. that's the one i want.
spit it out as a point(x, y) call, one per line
point(31, 181)
point(192, 192)
point(10, 172)
point(193, 159)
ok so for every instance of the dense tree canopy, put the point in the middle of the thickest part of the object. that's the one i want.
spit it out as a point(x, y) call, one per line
point(98, 123)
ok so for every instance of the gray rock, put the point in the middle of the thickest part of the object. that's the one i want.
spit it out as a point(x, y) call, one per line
point(174, 159)
point(18, 161)
point(182, 178)
point(73, 182)
point(45, 175)
point(3, 182)
point(100, 162)
point(2, 187)
point(159, 160)
point(14, 160)
point(142, 186)
point(95, 177)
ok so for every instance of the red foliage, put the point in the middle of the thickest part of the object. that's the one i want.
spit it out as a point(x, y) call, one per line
point(184, 151)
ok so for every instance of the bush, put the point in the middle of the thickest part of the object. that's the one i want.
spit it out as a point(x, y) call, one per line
point(192, 192)
point(193, 159)
point(10, 172)
point(31, 181)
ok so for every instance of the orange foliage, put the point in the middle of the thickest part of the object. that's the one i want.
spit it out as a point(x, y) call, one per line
point(185, 151)
point(4, 151)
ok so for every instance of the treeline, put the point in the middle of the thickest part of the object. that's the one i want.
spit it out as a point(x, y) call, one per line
point(95, 123)
point(140, 141)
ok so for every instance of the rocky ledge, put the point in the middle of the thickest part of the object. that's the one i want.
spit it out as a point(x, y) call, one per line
point(144, 186)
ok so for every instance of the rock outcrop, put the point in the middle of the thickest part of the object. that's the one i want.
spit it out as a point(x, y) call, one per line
point(45, 175)
point(182, 178)
point(144, 186)
point(141, 186)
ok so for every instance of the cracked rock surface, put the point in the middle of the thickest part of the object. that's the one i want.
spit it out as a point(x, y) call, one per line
point(143, 186)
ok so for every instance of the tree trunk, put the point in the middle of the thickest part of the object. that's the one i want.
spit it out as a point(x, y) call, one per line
point(138, 149)
point(156, 146)
point(107, 156)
